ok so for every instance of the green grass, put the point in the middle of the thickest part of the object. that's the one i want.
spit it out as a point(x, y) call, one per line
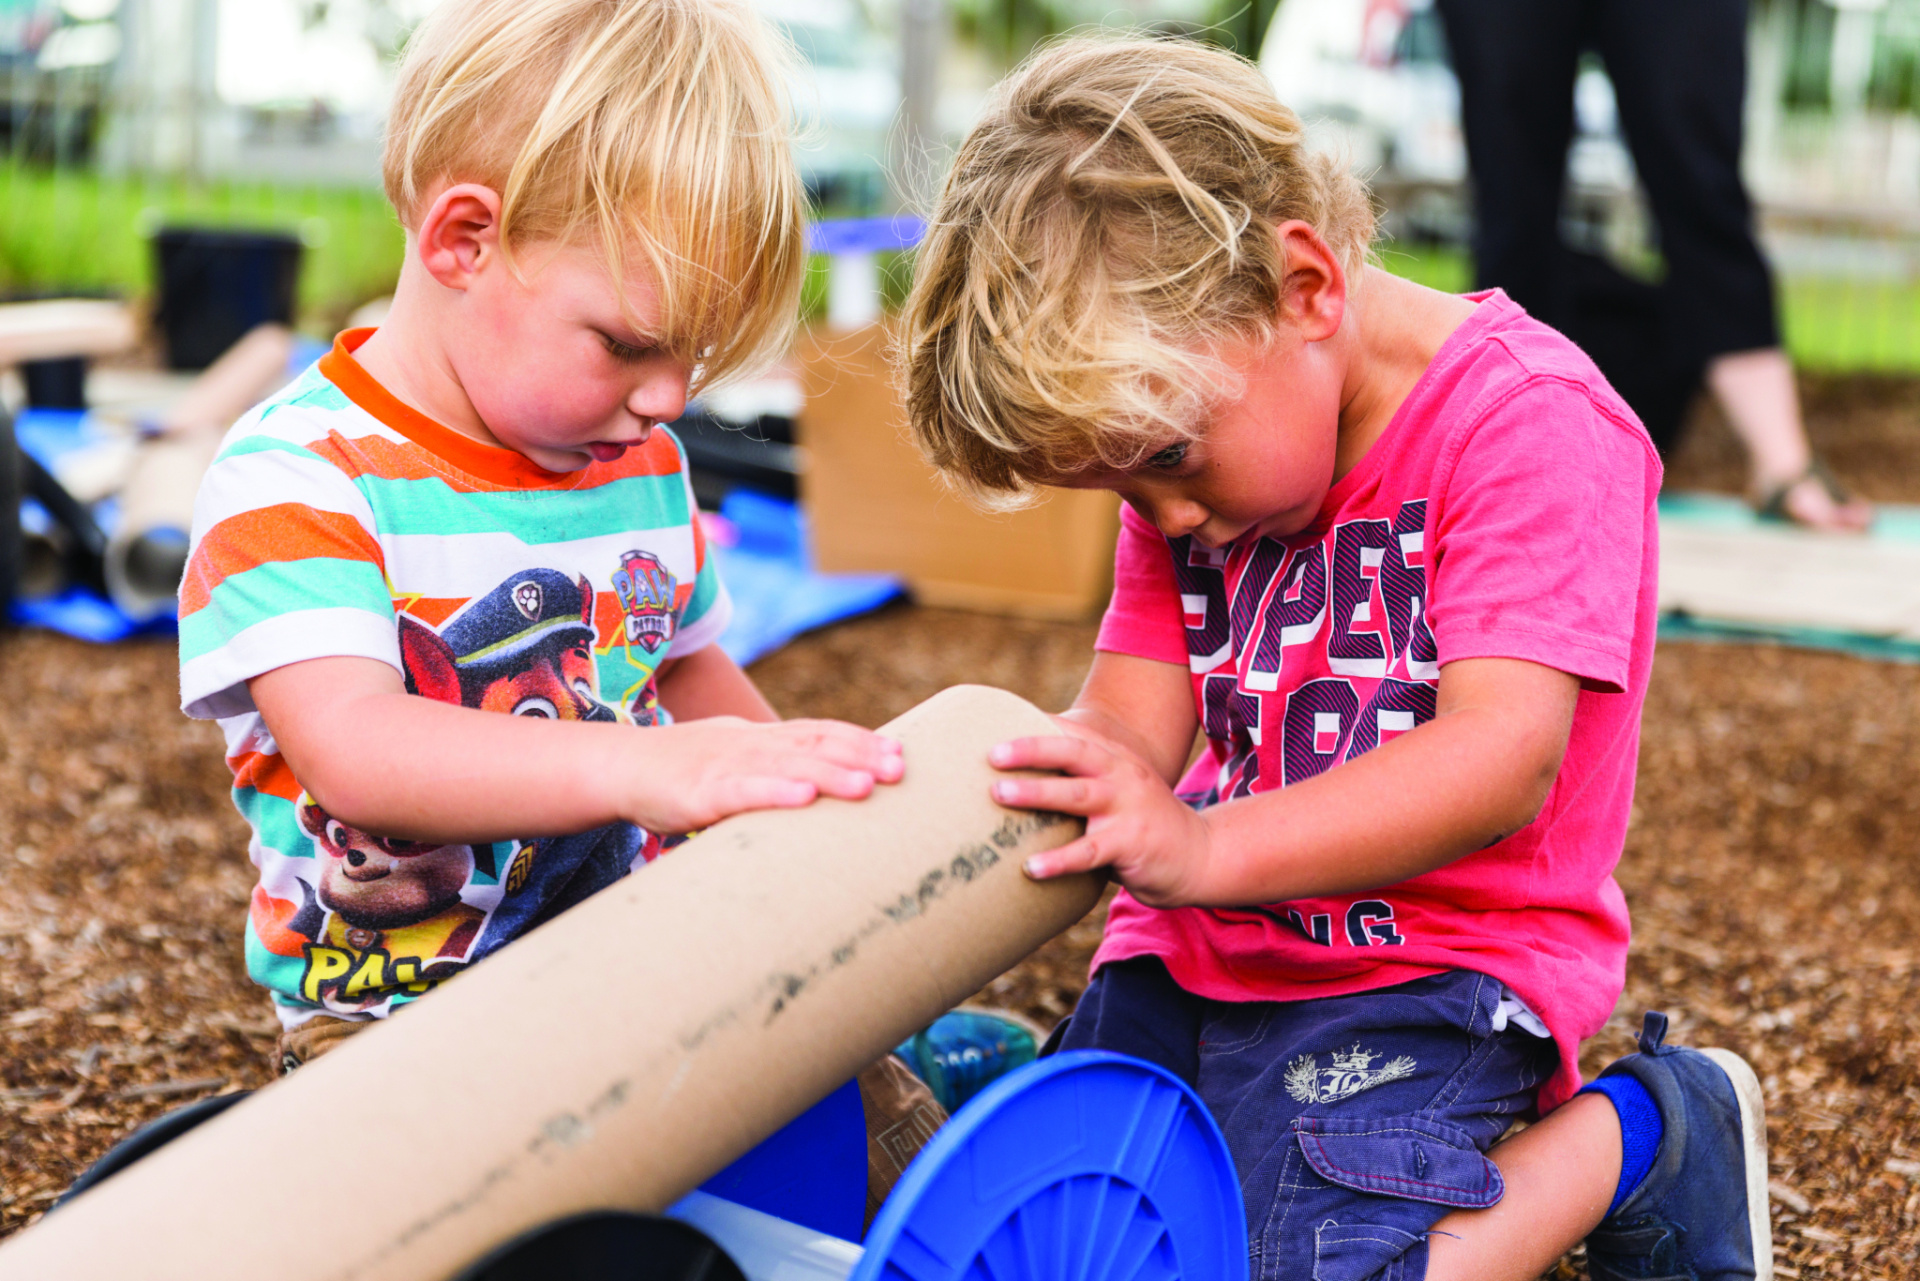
point(1832, 325)
point(68, 229)
point(62, 229)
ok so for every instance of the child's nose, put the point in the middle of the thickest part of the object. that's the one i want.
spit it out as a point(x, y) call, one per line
point(1178, 517)
point(661, 394)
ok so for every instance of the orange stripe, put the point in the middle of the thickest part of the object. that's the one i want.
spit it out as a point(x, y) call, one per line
point(265, 773)
point(609, 620)
point(491, 463)
point(281, 532)
point(271, 918)
point(431, 610)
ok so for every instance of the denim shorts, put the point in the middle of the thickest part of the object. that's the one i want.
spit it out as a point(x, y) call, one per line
point(1356, 1122)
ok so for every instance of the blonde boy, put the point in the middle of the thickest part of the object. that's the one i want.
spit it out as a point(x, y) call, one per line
point(1391, 553)
point(475, 511)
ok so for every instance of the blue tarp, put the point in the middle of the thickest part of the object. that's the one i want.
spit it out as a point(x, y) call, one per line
point(1893, 522)
point(759, 541)
point(777, 594)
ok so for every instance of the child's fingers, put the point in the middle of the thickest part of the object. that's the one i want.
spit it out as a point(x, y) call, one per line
point(1072, 755)
point(1083, 796)
point(759, 792)
point(1083, 855)
point(849, 746)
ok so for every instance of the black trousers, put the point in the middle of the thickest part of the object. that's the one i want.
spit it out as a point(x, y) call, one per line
point(1679, 72)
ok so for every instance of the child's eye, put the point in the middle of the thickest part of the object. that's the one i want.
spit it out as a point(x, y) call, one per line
point(1170, 457)
point(625, 353)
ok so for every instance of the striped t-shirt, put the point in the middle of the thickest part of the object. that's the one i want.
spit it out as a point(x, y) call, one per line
point(338, 521)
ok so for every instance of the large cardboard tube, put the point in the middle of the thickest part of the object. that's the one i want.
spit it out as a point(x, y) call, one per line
point(616, 1056)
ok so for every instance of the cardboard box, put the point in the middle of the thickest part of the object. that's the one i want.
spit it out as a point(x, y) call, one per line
point(875, 505)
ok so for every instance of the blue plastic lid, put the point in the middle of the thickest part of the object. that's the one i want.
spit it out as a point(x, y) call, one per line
point(865, 235)
point(1087, 1165)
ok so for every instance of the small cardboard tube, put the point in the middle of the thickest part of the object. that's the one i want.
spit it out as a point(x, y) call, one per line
point(620, 1054)
point(148, 550)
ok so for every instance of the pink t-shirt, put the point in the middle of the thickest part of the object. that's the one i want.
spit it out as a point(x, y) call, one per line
point(1506, 512)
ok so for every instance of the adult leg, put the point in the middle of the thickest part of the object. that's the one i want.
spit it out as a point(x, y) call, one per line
point(1515, 60)
point(1679, 73)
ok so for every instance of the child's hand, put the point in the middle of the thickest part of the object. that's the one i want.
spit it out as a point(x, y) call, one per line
point(698, 772)
point(1156, 845)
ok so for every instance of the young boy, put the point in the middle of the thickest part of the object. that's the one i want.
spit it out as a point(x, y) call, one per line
point(473, 511)
point(1392, 553)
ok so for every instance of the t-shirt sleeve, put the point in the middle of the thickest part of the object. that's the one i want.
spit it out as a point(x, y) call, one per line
point(283, 567)
point(1541, 534)
point(709, 607)
point(1144, 618)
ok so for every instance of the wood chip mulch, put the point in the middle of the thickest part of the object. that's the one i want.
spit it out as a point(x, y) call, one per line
point(1771, 869)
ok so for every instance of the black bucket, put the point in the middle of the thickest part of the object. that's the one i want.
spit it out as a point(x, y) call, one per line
point(217, 285)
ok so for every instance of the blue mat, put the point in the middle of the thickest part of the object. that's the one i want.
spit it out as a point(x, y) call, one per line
point(761, 547)
point(1723, 512)
point(759, 542)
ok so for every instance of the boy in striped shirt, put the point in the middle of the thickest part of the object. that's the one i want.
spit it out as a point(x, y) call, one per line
point(475, 509)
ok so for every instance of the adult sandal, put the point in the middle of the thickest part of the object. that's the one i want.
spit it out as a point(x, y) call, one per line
point(1772, 506)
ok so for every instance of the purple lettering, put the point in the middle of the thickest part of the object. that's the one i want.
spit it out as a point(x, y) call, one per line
point(1293, 616)
point(1319, 715)
point(1356, 644)
point(1396, 707)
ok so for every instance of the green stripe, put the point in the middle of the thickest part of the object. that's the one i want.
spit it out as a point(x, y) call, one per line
point(705, 588)
point(430, 506)
point(276, 819)
point(282, 587)
point(260, 443)
point(279, 973)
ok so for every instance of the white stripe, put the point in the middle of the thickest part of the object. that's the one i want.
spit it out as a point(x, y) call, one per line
point(214, 685)
point(305, 424)
point(235, 486)
point(459, 566)
point(704, 630)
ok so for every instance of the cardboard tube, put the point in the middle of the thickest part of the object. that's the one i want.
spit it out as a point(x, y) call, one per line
point(246, 373)
point(616, 1056)
point(148, 550)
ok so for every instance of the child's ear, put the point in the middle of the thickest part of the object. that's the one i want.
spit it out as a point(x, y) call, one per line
point(1314, 298)
point(429, 663)
point(458, 233)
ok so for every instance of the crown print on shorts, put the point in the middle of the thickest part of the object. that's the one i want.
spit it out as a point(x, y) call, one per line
point(1352, 1072)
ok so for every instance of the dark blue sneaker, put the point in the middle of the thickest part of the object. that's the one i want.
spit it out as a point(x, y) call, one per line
point(968, 1049)
point(1701, 1212)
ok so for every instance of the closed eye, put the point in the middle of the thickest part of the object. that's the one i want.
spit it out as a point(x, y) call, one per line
point(625, 353)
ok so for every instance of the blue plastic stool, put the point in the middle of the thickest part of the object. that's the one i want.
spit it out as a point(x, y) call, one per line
point(812, 1172)
point(1088, 1165)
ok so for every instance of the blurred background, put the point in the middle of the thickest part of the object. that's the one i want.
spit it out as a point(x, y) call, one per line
point(124, 116)
point(213, 166)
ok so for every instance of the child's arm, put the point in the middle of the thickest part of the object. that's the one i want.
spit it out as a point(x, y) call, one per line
point(391, 762)
point(1477, 772)
point(709, 683)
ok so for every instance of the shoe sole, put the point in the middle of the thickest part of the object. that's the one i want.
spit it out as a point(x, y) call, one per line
point(1753, 1132)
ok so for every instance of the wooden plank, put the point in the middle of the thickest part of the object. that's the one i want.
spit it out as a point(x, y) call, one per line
point(64, 327)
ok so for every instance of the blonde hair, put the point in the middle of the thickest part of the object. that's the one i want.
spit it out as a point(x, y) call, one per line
point(656, 126)
point(1106, 225)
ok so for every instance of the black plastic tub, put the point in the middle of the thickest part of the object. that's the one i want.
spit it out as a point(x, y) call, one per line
point(217, 285)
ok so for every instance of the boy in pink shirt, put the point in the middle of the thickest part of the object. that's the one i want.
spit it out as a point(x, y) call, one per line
point(1392, 554)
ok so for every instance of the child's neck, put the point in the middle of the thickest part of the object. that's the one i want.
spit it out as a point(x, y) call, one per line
point(408, 356)
point(1400, 328)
